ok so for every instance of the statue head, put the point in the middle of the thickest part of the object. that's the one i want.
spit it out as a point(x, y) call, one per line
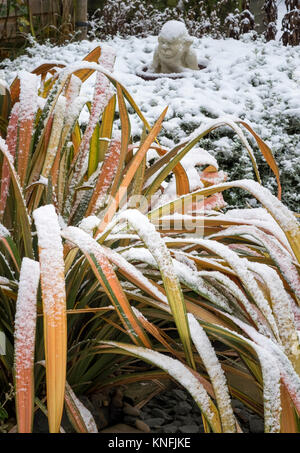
point(173, 40)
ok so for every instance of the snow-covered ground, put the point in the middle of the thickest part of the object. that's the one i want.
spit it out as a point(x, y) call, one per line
point(249, 79)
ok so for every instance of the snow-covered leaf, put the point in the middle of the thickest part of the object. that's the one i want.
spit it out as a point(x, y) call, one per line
point(25, 326)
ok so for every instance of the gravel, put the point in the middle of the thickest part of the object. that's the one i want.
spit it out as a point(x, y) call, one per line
point(178, 413)
point(171, 412)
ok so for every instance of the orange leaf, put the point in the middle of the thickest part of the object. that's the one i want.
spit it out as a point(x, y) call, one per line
point(93, 56)
point(267, 153)
point(131, 172)
point(54, 309)
point(106, 176)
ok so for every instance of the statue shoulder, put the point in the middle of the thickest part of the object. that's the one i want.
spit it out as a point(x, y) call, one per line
point(156, 60)
point(191, 60)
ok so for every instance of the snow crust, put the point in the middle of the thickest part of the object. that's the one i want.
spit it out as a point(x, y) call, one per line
point(135, 273)
point(3, 231)
point(281, 257)
point(239, 265)
point(51, 261)
point(216, 374)
point(280, 306)
point(152, 239)
point(84, 412)
point(173, 29)
point(29, 84)
point(25, 319)
point(271, 374)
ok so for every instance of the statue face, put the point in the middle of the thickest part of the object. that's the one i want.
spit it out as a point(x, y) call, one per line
point(170, 48)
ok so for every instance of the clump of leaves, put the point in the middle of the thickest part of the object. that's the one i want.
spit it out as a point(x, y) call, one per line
point(102, 263)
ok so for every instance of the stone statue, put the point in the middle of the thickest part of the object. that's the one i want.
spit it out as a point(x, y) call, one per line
point(173, 53)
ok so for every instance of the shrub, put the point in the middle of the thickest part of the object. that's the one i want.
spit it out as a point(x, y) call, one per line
point(139, 18)
point(291, 24)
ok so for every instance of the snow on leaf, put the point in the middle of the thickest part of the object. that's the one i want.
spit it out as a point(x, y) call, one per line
point(88, 224)
point(72, 114)
point(79, 414)
point(271, 373)
point(281, 308)
point(25, 319)
point(102, 94)
point(239, 265)
point(54, 309)
point(108, 279)
point(3, 231)
point(159, 251)
point(179, 372)
point(73, 91)
point(194, 280)
point(51, 259)
point(106, 176)
point(288, 374)
point(259, 217)
point(57, 126)
point(11, 141)
point(23, 216)
point(185, 275)
point(135, 273)
point(25, 326)
point(216, 374)
point(29, 84)
point(277, 252)
point(231, 122)
point(281, 213)
point(238, 294)
point(152, 239)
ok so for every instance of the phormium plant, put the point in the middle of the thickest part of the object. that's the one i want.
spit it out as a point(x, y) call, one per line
point(98, 274)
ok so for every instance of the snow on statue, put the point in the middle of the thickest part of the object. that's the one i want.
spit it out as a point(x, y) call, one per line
point(173, 53)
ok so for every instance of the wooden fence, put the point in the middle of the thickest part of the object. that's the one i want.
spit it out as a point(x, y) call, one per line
point(35, 15)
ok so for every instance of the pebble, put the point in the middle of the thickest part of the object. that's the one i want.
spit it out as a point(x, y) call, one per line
point(182, 408)
point(156, 412)
point(236, 404)
point(142, 426)
point(189, 429)
point(185, 419)
point(180, 414)
point(170, 429)
point(129, 419)
point(130, 410)
point(242, 414)
point(118, 398)
point(154, 422)
point(179, 394)
point(256, 424)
